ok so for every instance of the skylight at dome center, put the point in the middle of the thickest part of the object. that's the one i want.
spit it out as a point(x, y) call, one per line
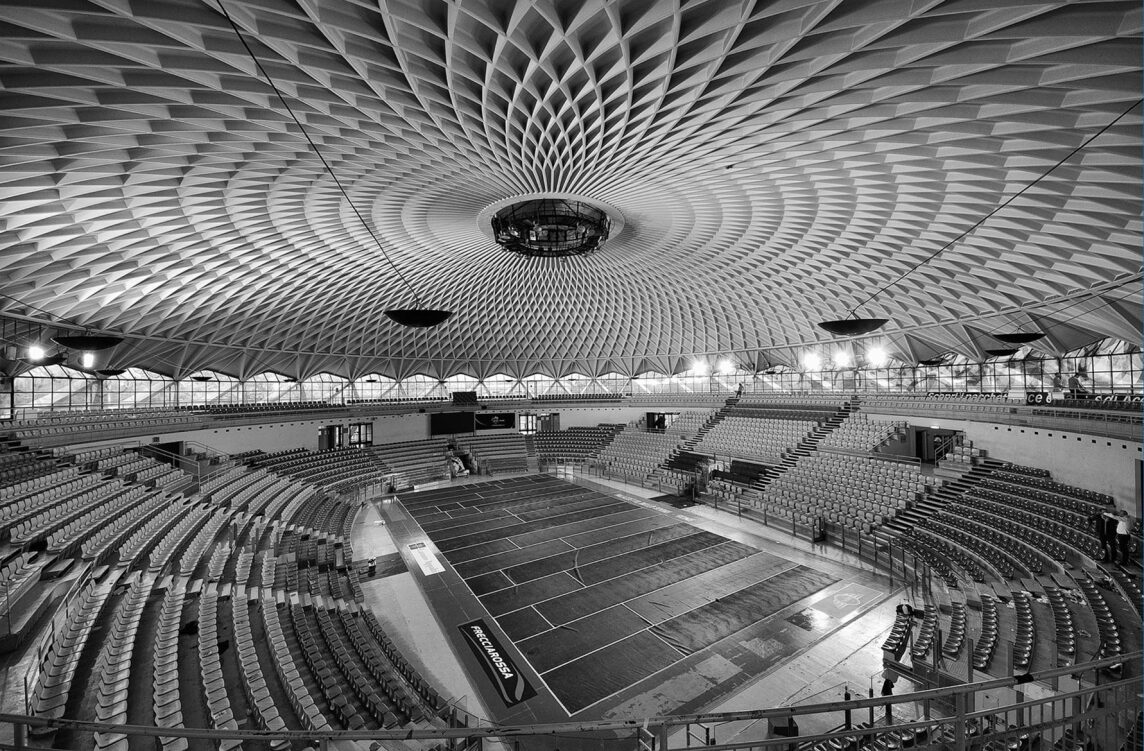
point(551, 227)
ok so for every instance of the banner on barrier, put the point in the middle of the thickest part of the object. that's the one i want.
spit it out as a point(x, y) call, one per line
point(511, 685)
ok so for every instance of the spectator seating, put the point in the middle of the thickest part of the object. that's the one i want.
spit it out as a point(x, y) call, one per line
point(761, 439)
point(990, 634)
point(498, 453)
point(862, 434)
point(856, 492)
point(414, 462)
point(341, 469)
point(113, 666)
point(573, 445)
point(601, 396)
point(64, 645)
point(635, 453)
point(166, 696)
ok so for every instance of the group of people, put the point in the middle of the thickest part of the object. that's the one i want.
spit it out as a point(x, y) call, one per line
point(1115, 530)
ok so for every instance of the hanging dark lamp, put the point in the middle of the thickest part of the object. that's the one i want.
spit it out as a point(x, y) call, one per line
point(1019, 337)
point(417, 317)
point(87, 342)
point(853, 326)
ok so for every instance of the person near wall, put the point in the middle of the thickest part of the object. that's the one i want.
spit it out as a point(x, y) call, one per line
point(1106, 525)
point(1123, 533)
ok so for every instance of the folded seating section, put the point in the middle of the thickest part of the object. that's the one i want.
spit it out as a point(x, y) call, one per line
point(113, 666)
point(850, 491)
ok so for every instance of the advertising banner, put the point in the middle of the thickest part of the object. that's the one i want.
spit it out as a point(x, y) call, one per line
point(495, 420)
point(511, 685)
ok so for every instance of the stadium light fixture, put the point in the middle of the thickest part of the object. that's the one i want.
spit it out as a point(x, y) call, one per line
point(87, 342)
point(812, 361)
point(36, 353)
point(87, 360)
point(877, 357)
point(1019, 337)
point(853, 326)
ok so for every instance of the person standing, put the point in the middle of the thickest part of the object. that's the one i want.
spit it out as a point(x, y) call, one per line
point(1123, 532)
point(1108, 523)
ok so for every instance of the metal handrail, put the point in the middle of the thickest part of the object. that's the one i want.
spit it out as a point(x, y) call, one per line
point(598, 726)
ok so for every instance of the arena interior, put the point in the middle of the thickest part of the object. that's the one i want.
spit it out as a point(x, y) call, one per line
point(440, 375)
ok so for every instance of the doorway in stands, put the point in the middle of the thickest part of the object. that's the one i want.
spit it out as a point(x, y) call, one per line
point(329, 437)
point(659, 422)
point(932, 444)
point(528, 423)
point(361, 434)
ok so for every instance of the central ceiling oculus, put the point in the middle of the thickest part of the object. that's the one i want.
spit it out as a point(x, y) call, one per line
point(551, 227)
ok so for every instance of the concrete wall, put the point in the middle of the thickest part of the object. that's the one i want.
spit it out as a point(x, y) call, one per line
point(571, 417)
point(1106, 465)
point(288, 435)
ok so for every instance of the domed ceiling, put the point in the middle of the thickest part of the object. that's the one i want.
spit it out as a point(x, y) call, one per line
point(768, 165)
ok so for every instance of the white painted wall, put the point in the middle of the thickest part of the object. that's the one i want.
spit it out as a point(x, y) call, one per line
point(571, 417)
point(290, 435)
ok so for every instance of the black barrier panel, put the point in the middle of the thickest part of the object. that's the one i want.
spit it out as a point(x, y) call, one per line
point(448, 423)
point(499, 667)
point(495, 420)
point(1038, 397)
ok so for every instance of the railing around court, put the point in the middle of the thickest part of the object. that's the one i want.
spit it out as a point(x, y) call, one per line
point(1088, 712)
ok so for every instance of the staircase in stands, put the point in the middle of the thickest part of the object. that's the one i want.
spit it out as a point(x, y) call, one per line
point(957, 484)
point(683, 458)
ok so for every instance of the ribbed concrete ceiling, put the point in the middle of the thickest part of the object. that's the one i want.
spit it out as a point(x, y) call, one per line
point(774, 164)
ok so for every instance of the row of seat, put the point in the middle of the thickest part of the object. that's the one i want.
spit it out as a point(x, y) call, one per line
point(55, 476)
point(254, 685)
point(63, 539)
point(303, 701)
point(215, 691)
point(159, 539)
point(1081, 500)
point(60, 654)
point(113, 666)
point(38, 525)
point(202, 541)
point(1024, 639)
point(990, 548)
point(990, 634)
point(35, 498)
point(860, 433)
point(573, 445)
point(166, 699)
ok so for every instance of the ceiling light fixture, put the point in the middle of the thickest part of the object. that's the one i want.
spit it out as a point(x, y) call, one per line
point(1019, 337)
point(418, 317)
point(88, 342)
point(853, 326)
point(551, 228)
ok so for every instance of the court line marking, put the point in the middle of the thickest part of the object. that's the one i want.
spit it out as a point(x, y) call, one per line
point(617, 555)
point(649, 676)
point(652, 625)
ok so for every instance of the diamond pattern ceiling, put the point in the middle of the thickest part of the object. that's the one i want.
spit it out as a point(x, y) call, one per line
point(773, 163)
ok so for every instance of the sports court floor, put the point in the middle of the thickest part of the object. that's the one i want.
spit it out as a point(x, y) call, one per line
point(615, 605)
